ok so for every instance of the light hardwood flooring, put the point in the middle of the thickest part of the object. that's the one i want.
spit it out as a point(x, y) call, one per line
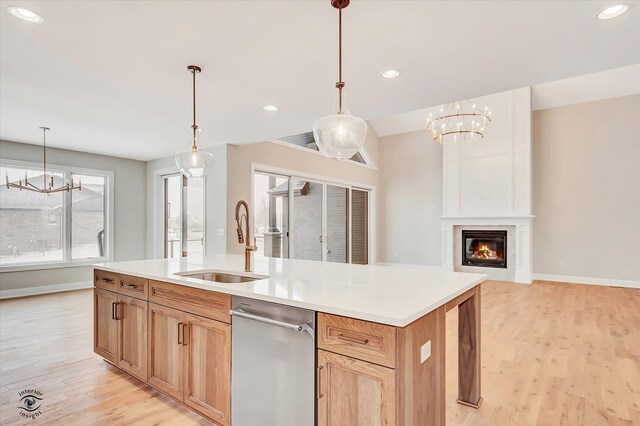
point(552, 354)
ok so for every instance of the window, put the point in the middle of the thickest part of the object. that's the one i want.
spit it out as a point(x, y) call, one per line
point(88, 218)
point(307, 141)
point(53, 229)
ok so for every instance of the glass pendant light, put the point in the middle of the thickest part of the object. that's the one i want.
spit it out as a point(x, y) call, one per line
point(194, 162)
point(340, 135)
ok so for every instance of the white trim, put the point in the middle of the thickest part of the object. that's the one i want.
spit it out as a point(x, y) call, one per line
point(45, 289)
point(363, 151)
point(158, 210)
point(522, 277)
point(17, 267)
point(610, 282)
point(308, 176)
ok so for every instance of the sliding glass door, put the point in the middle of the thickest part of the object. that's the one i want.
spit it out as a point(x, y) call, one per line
point(359, 226)
point(310, 219)
point(271, 214)
point(307, 226)
point(336, 234)
point(184, 216)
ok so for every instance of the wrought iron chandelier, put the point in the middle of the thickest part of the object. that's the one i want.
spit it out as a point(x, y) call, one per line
point(459, 123)
point(194, 162)
point(340, 135)
point(47, 187)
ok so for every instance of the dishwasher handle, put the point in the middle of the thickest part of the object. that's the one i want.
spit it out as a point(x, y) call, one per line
point(295, 327)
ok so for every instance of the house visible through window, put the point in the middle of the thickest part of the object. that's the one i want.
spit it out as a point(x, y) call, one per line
point(37, 228)
point(306, 140)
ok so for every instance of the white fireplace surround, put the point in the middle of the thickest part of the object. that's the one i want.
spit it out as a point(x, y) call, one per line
point(489, 184)
point(518, 245)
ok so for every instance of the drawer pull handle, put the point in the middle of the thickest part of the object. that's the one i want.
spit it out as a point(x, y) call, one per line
point(320, 395)
point(353, 339)
point(131, 286)
point(185, 332)
point(106, 280)
point(114, 311)
point(179, 330)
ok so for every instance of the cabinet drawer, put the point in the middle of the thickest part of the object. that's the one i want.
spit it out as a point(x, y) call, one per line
point(105, 280)
point(205, 303)
point(363, 340)
point(133, 286)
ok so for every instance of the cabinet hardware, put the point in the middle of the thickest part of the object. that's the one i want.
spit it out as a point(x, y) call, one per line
point(107, 280)
point(130, 286)
point(115, 310)
point(353, 339)
point(239, 312)
point(319, 390)
point(180, 329)
point(185, 332)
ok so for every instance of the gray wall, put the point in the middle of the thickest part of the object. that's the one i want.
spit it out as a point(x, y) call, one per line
point(216, 202)
point(129, 208)
point(410, 199)
point(586, 189)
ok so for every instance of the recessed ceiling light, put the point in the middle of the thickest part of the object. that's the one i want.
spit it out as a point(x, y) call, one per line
point(25, 14)
point(613, 11)
point(391, 73)
point(270, 108)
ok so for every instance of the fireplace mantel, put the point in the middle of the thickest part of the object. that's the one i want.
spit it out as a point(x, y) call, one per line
point(523, 242)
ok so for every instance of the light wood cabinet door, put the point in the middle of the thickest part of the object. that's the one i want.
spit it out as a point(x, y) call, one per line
point(166, 360)
point(208, 367)
point(131, 316)
point(354, 393)
point(105, 326)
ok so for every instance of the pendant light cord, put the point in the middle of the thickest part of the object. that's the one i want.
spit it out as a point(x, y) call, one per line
point(340, 83)
point(194, 126)
point(44, 155)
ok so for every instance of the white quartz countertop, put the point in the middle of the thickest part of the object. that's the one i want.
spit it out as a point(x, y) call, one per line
point(390, 295)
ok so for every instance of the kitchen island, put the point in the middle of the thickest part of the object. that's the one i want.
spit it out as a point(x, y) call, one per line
point(379, 332)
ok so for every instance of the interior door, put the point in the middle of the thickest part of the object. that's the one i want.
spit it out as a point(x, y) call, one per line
point(353, 392)
point(132, 335)
point(207, 345)
point(166, 353)
point(105, 327)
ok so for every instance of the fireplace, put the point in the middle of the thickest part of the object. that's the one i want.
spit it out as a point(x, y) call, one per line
point(484, 248)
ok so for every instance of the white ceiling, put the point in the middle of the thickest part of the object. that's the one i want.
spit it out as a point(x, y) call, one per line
point(585, 88)
point(110, 76)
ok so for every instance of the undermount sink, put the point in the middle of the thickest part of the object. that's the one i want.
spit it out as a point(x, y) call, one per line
point(222, 277)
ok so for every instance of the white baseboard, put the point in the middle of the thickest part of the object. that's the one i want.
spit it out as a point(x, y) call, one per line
point(611, 282)
point(522, 277)
point(45, 289)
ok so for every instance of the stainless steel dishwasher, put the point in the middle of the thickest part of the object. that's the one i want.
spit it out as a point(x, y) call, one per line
point(273, 364)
